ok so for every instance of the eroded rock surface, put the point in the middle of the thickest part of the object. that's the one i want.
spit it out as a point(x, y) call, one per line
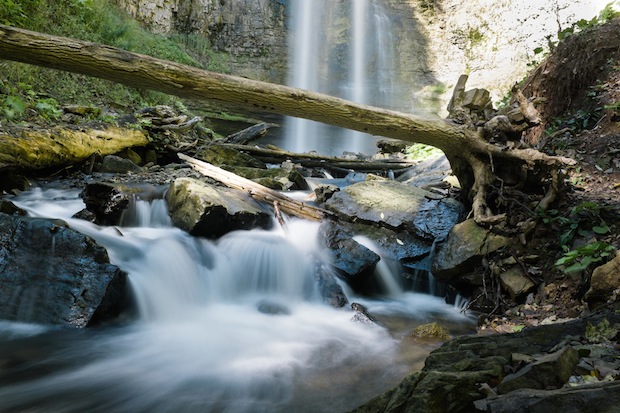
point(51, 274)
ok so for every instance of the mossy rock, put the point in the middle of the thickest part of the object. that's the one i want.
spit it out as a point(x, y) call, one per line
point(219, 155)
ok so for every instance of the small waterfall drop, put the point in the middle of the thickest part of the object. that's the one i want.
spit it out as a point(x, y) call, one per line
point(204, 339)
point(343, 48)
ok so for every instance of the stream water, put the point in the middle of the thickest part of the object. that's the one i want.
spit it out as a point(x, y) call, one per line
point(201, 339)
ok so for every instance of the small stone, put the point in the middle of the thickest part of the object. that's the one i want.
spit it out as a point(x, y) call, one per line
point(432, 332)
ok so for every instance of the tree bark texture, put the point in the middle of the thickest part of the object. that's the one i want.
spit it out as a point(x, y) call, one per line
point(38, 149)
point(476, 162)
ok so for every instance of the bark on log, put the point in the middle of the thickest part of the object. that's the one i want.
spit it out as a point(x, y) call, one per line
point(315, 160)
point(44, 148)
point(261, 193)
point(249, 134)
point(477, 163)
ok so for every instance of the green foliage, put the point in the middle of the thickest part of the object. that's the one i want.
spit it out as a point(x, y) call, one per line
point(419, 151)
point(98, 21)
point(48, 108)
point(13, 107)
point(581, 258)
point(583, 218)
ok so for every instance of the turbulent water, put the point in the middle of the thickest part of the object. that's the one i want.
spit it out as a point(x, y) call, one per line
point(235, 325)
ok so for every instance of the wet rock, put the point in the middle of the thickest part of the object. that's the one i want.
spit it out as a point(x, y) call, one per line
point(352, 261)
point(331, 291)
point(117, 165)
point(9, 208)
point(210, 211)
point(599, 397)
point(273, 308)
point(515, 282)
point(550, 372)
point(461, 372)
point(51, 274)
point(105, 202)
point(397, 206)
point(324, 191)
point(464, 248)
point(431, 332)
point(11, 180)
point(604, 283)
point(361, 315)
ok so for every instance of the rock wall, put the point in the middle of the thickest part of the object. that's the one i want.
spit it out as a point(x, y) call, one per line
point(491, 41)
point(437, 40)
point(251, 32)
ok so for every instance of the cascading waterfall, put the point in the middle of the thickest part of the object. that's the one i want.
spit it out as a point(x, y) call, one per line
point(359, 65)
point(235, 325)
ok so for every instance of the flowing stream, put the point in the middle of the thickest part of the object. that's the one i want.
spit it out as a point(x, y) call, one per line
point(235, 325)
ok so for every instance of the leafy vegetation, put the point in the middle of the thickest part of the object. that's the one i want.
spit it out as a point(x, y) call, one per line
point(586, 221)
point(25, 89)
point(419, 151)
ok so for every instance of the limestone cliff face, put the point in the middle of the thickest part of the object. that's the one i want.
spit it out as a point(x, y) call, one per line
point(436, 40)
point(491, 41)
point(251, 32)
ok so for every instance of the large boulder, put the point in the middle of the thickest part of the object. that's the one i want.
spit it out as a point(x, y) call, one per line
point(464, 248)
point(462, 375)
point(398, 206)
point(600, 397)
point(51, 274)
point(211, 211)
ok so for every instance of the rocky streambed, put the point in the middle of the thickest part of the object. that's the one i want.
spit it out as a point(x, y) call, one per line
point(54, 275)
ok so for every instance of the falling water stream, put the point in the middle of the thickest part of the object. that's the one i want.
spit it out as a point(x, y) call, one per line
point(201, 340)
point(344, 48)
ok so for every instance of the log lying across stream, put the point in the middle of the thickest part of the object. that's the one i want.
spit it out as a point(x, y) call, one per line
point(259, 192)
point(480, 166)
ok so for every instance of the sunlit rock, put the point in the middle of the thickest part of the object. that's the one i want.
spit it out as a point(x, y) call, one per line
point(211, 211)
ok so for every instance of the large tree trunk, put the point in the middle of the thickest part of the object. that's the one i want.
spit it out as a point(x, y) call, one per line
point(477, 163)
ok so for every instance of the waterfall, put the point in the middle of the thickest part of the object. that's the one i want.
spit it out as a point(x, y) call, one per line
point(343, 48)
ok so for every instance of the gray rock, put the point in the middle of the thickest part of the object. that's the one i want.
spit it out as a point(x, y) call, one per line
point(117, 165)
point(550, 372)
point(105, 202)
point(361, 315)
point(601, 397)
point(515, 282)
point(331, 291)
point(210, 211)
point(464, 248)
point(460, 372)
point(51, 274)
point(398, 206)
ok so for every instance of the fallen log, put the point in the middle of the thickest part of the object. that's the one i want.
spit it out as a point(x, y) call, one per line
point(254, 132)
point(34, 149)
point(316, 160)
point(480, 166)
point(287, 205)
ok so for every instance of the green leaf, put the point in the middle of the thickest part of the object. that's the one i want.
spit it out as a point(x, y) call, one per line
point(601, 229)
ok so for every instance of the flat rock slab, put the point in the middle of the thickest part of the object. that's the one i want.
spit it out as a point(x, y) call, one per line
point(211, 211)
point(398, 206)
point(51, 274)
